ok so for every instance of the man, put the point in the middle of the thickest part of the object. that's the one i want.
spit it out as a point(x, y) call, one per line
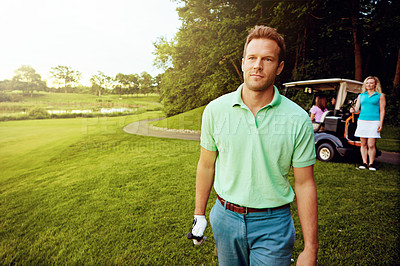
point(249, 140)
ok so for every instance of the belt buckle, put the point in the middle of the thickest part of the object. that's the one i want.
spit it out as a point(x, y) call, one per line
point(245, 211)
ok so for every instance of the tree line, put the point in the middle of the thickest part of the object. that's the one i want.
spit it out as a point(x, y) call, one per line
point(28, 80)
point(325, 39)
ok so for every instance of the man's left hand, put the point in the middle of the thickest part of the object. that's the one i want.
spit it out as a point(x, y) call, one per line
point(199, 225)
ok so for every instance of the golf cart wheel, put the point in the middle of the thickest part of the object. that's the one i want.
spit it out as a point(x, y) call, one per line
point(325, 152)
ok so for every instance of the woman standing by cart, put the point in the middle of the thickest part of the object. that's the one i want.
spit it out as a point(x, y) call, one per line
point(369, 125)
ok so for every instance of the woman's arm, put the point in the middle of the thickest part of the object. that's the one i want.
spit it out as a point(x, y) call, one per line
point(312, 116)
point(313, 112)
point(355, 109)
point(382, 105)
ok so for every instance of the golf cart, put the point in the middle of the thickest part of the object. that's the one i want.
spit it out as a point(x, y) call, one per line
point(334, 135)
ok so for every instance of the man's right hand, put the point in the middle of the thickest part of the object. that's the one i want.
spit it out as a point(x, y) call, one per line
point(199, 225)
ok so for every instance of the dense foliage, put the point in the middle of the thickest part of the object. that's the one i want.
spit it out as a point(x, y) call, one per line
point(325, 39)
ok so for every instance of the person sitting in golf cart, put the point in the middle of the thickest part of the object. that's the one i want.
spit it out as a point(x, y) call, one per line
point(319, 108)
point(333, 102)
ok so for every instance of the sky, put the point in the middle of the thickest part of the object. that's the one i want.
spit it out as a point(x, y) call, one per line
point(87, 35)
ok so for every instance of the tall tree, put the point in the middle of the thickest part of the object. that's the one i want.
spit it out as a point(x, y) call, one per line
point(204, 58)
point(156, 83)
point(396, 79)
point(65, 76)
point(130, 83)
point(324, 39)
point(355, 12)
point(28, 80)
point(381, 39)
point(298, 22)
point(100, 83)
point(146, 83)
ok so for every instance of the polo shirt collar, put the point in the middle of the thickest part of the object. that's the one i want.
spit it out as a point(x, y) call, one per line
point(237, 98)
point(366, 92)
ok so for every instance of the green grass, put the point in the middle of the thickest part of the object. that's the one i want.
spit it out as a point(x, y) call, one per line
point(358, 215)
point(104, 197)
point(390, 140)
point(81, 191)
point(190, 120)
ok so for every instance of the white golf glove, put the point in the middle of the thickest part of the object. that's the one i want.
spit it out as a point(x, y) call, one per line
point(199, 225)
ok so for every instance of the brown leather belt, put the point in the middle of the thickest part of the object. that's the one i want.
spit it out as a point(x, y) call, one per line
point(244, 210)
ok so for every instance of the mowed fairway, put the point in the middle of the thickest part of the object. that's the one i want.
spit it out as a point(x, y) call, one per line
point(82, 191)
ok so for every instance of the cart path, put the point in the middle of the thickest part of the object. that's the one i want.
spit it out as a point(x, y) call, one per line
point(389, 157)
point(143, 128)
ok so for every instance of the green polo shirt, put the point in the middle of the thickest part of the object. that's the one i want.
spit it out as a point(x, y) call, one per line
point(255, 153)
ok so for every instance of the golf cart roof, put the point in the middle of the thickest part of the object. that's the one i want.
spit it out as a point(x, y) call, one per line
point(341, 86)
point(327, 84)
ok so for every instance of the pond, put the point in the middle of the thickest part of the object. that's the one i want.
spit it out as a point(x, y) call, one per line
point(116, 110)
point(102, 110)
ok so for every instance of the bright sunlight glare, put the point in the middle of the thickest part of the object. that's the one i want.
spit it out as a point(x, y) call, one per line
point(87, 35)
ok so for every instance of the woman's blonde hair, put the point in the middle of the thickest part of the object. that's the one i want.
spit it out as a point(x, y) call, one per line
point(378, 87)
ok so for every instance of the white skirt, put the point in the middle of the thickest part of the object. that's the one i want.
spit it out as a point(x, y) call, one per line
point(367, 129)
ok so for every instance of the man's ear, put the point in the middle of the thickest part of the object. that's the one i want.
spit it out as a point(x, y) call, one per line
point(242, 64)
point(280, 68)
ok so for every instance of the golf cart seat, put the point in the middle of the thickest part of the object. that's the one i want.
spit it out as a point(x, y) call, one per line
point(319, 126)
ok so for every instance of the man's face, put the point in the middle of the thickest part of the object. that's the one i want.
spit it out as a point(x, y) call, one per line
point(261, 64)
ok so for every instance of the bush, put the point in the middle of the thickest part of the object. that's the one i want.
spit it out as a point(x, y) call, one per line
point(14, 117)
point(10, 97)
point(158, 108)
point(392, 111)
point(65, 115)
point(38, 113)
point(4, 97)
point(16, 97)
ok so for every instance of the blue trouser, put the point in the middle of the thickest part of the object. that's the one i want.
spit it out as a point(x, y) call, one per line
point(258, 238)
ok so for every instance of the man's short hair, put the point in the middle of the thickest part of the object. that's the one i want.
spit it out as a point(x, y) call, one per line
point(264, 32)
